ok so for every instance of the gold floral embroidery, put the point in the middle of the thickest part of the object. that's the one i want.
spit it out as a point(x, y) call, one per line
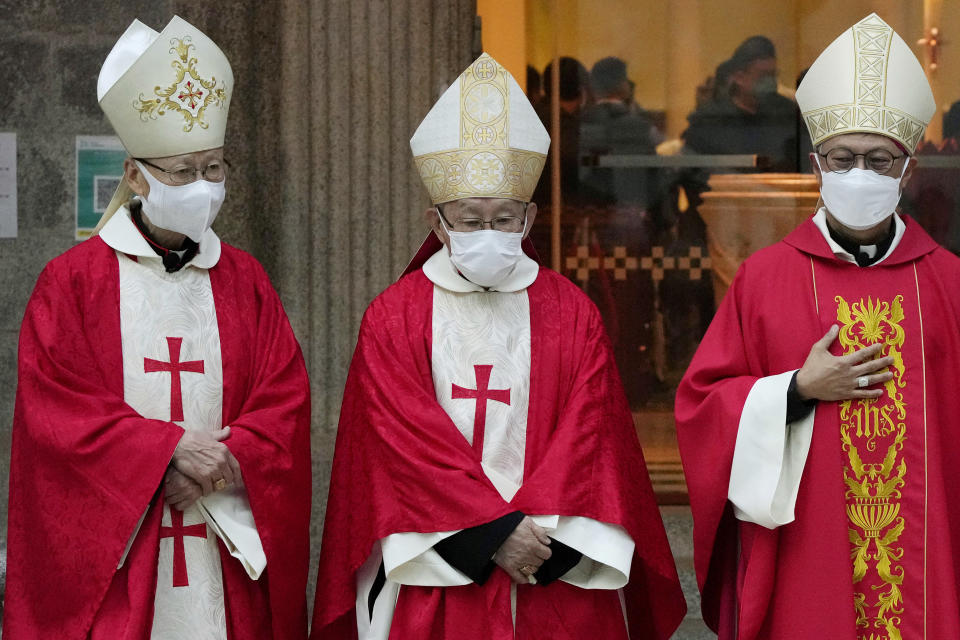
point(872, 433)
point(189, 94)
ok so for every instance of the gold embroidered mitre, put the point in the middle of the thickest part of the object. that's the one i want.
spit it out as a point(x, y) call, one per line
point(482, 139)
point(166, 93)
point(868, 81)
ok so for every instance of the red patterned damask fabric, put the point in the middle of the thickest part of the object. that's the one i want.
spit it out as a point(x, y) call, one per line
point(85, 466)
point(401, 465)
point(874, 551)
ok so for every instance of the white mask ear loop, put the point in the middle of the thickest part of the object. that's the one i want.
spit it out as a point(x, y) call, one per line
point(905, 165)
point(442, 223)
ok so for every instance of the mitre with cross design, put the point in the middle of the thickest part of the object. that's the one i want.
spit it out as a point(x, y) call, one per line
point(481, 139)
point(166, 93)
point(867, 81)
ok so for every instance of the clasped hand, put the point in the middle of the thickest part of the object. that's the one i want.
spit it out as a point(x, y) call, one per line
point(200, 459)
point(527, 546)
point(825, 376)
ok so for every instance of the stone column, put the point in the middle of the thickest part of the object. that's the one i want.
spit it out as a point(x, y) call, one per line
point(357, 79)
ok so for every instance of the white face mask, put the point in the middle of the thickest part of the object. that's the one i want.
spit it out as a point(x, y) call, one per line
point(189, 209)
point(485, 257)
point(860, 198)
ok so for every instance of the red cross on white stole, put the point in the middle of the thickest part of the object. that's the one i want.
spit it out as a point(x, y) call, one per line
point(178, 532)
point(174, 367)
point(481, 394)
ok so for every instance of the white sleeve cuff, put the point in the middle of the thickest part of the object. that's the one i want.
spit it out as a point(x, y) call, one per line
point(409, 558)
point(769, 455)
point(229, 514)
point(376, 627)
point(607, 550)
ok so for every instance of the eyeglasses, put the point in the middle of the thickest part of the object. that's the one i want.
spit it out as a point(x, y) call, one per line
point(841, 160)
point(508, 224)
point(216, 171)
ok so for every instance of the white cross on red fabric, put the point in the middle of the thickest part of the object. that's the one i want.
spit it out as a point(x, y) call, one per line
point(177, 531)
point(482, 393)
point(174, 367)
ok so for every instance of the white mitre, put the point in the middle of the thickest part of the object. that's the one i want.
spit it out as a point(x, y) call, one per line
point(482, 139)
point(868, 80)
point(166, 94)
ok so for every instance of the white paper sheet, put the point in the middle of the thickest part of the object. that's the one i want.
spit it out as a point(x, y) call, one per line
point(8, 185)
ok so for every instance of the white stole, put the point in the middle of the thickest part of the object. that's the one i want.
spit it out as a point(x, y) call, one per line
point(169, 318)
point(155, 306)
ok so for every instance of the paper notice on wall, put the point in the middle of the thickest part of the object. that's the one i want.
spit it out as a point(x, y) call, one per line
point(8, 185)
point(99, 171)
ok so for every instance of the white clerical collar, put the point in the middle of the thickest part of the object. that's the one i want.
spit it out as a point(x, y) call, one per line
point(122, 235)
point(441, 272)
point(820, 219)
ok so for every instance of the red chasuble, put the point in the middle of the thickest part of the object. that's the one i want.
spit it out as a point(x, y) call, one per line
point(401, 465)
point(85, 466)
point(874, 552)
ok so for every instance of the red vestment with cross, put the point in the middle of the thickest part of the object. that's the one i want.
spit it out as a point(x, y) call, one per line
point(178, 532)
point(482, 393)
point(174, 367)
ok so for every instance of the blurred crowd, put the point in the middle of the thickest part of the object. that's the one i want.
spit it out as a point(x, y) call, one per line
point(626, 212)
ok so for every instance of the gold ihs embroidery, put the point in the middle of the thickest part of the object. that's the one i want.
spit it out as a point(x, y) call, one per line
point(872, 434)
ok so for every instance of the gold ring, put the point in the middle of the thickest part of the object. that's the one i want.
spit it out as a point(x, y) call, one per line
point(219, 484)
point(528, 570)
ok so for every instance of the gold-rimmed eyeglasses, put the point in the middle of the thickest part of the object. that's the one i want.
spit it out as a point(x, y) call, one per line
point(216, 171)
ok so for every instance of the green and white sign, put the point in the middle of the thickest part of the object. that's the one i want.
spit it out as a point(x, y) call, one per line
point(99, 171)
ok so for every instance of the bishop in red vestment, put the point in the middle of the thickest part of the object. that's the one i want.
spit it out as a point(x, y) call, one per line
point(817, 420)
point(488, 482)
point(160, 473)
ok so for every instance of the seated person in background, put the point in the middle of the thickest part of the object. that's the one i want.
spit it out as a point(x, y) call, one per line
point(951, 123)
point(615, 124)
point(574, 95)
point(534, 86)
point(750, 117)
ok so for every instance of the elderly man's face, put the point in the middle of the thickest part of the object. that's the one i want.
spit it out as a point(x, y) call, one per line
point(471, 214)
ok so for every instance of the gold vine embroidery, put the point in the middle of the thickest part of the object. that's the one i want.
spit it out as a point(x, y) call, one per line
point(189, 96)
point(871, 428)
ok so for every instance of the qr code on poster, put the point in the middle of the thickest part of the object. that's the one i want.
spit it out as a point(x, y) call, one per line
point(103, 188)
